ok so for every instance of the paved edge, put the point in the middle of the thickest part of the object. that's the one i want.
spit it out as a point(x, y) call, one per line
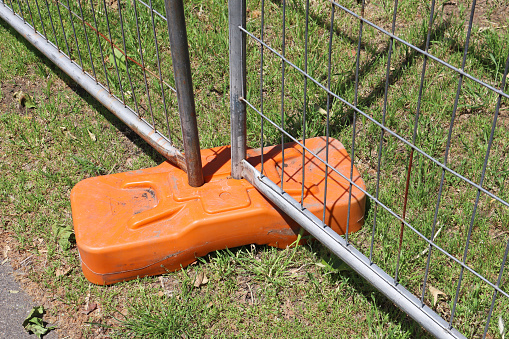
point(15, 304)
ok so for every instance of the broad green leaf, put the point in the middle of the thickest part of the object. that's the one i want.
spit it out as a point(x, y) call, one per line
point(33, 323)
point(64, 236)
point(119, 57)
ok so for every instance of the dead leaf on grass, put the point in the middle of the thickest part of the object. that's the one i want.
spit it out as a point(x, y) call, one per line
point(91, 308)
point(201, 279)
point(129, 162)
point(436, 293)
point(113, 4)
point(91, 135)
point(24, 100)
point(64, 235)
point(62, 271)
point(501, 326)
point(6, 249)
point(256, 14)
point(66, 132)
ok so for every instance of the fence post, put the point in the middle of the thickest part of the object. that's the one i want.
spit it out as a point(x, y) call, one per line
point(237, 40)
point(184, 84)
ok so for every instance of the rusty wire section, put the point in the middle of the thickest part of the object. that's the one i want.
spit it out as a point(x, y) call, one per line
point(121, 45)
point(400, 101)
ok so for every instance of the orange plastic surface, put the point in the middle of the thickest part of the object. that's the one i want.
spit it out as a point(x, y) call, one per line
point(150, 221)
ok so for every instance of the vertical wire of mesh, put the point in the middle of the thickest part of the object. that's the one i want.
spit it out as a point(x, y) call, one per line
point(495, 292)
point(140, 51)
point(133, 92)
point(453, 116)
point(354, 122)
point(52, 25)
point(113, 54)
point(86, 39)
point(502, 265)
point(448, 144)
point(40, 17)
point(327, 131)
point(165, 109)
point(432, 234)
point(30, 13)
point(414, 138)
point(262, 25)
point(306, 37)
point(481, 181)
point(20, 10)
point(74, 33)
point(12, 8)
point(100, 46)
point(63, 30)
point(384, 112)
point(283, 50)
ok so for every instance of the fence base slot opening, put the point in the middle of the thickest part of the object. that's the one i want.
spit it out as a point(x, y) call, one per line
point(150, 221)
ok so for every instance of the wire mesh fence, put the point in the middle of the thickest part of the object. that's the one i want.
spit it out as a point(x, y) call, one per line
point(417, 93)
point(124, 48)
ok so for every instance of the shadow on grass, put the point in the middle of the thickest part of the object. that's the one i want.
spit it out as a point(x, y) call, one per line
point(357, 282)
point(398, 68)
point(341, 272)
point(96, 105)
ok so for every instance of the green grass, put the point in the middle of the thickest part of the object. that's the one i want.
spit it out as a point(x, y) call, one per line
point(263, 292)
point(244, 299)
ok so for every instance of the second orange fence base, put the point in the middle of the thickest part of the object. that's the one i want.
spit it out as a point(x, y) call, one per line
point(151, 221)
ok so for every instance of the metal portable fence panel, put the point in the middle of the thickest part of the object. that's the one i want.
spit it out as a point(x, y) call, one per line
point(359, 258)
point(116, 54)
point(105, 49)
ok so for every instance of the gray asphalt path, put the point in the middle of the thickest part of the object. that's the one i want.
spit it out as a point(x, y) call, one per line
point(14, 307)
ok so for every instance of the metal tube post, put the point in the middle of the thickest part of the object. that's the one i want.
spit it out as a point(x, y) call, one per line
point(237, 40)
point(184, 84)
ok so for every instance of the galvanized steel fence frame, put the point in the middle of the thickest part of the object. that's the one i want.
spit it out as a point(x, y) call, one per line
point(362, 263)
point(72, 63)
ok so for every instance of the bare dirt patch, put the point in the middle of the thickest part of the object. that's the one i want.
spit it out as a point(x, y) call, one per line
point(9, 88)
point(494, 14)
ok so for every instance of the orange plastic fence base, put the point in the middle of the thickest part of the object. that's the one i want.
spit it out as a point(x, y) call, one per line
point(151, 221)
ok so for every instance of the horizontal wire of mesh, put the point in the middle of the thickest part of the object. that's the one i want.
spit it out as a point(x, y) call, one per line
point(417, 94)
point(122, 45)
